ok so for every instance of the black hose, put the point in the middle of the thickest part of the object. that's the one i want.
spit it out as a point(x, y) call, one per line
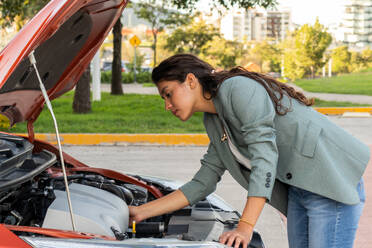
point(150, 228)
point(128, 195)
point(112, 188)
point(104, 184)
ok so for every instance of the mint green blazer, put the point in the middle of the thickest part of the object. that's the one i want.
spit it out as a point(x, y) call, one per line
point(302, 148)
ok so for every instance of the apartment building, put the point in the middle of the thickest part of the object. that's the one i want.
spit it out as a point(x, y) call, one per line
point(254, 24)
point(357, 24)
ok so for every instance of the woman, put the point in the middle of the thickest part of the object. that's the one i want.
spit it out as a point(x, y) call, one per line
point(274, 145)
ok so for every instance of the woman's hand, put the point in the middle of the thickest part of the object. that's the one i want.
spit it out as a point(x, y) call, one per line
point(239, 236)
point(135, 214)
point(169, 203)
point(242, 235)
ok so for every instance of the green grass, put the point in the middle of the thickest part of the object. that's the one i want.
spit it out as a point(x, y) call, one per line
point(148, 85)
point(367, 70)
point(321, 103)
point(130, 113)
point(354, 83)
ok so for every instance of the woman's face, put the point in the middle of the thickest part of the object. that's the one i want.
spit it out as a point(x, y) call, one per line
point(180, 98)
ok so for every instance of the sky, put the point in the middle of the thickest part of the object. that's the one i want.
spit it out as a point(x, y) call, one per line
point(305, 11)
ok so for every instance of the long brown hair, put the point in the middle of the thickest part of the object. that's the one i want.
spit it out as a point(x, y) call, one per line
point(178, 66)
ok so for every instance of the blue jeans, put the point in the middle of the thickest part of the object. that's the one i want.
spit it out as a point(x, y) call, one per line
point(314, 221)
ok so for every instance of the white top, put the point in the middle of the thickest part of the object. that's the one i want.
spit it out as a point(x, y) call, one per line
point(238, 156)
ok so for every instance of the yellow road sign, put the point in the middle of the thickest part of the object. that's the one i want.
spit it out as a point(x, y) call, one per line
point(135, 41)
point(4, 123)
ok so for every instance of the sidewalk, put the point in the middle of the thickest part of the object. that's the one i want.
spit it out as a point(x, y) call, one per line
point(134, 88)
point(362, 99)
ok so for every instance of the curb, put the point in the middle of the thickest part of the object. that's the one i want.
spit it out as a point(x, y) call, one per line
point(342, 110)
point(125, 139)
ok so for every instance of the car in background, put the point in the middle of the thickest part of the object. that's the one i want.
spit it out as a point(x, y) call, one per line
point(51, 52)
point(107, 66)
point(146, 69)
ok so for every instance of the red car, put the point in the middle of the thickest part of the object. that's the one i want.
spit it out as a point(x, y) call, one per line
point(34, 207)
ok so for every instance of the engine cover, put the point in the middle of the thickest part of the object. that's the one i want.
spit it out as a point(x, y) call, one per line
point(95, 211)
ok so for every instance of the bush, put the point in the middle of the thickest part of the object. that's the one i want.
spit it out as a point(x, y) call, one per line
point(106, 77)
point(144, 77)
point(127, 77)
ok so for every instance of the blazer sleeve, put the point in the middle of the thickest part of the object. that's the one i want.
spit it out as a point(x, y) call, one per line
point(254, 109)
point(205, 180)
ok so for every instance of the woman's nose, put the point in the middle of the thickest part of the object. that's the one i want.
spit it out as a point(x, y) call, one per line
point(168, 105)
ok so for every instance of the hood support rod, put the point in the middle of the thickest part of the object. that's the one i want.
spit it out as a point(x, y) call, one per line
point(48, 103)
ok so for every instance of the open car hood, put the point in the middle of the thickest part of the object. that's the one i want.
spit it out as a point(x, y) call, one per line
point(64, 35)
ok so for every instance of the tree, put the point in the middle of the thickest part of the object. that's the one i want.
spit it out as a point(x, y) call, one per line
point(159, 17)
point(246, 4)
point(140, 58)
point(81, 103)
point(292, 67)
point(340, 59)
point(269, 55)
point(19, 11)
point(116, 78)
point(310, 43)
point(222, 53)
point(162, 52)
point(191, 38)
point(367, 57)
point(356, 62)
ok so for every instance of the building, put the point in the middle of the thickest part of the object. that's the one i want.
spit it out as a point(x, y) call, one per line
point(277, 24)
point(254, 24)
point(357, 24)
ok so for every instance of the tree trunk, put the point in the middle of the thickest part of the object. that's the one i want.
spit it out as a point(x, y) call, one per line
point(312, 72)
point(154, 45)
point(81, 102)
point(116, 80)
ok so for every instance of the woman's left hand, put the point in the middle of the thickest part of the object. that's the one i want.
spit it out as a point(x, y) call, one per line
point(239, 236)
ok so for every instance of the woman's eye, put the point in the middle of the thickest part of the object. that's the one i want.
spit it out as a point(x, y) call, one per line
point(168, 95)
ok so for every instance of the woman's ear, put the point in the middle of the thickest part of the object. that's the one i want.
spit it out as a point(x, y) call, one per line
point(191, 80)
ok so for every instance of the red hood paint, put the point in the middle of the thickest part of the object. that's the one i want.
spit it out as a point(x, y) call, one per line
point(65, 36)
point(55, 233)
point(10, 240)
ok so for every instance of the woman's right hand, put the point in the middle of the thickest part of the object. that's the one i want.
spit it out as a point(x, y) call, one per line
point(134, 214)
point(169, 203)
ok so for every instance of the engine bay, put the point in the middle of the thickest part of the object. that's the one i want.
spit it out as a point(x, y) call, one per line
point(33, 194)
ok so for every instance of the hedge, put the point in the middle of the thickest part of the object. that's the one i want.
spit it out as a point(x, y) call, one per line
point(127, 77)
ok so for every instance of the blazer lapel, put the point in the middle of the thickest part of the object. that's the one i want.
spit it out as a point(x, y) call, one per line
point(219, 110)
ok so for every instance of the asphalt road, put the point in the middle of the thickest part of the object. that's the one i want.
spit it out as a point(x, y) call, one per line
point(180, 163)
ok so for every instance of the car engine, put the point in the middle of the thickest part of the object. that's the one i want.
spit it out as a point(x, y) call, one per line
point(32, 194)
